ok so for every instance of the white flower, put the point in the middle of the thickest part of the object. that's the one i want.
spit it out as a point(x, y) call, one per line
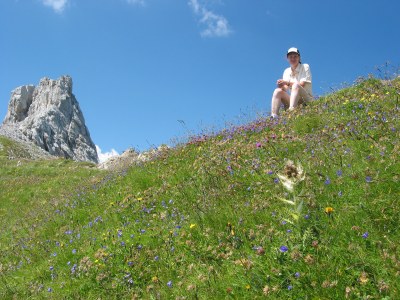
point(292, 175)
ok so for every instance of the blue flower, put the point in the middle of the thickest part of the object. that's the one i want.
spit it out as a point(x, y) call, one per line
point(49, 290)
point(297, 274)
point(306, 217)
point(365, 235)
point(283, 249)
point(368, 179)
point(290, 287)
point(339, 173)
point(73, 251)
point(169, 284)
point(327, 181)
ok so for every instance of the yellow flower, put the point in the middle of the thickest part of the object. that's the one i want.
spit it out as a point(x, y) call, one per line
point(329, 210)
point(192, 226)
point(139, 199)
point(154, 279)
point(248, 287)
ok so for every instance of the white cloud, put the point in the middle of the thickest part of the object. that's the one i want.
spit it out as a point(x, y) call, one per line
point(216, 25)
point(57, 5)
point(137, 2)
point(106, 155)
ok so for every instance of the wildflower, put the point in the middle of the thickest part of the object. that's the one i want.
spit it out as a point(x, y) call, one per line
point(192, 226)
point(169, 284)
point(365, 235)
point(329, 210)
point(306, 217)
point(73, 251)
point(292, 175)
point(368, 179)
point(339, 173)
point(340, 194)
point(49, 290)
point(266, 290)
point(290, 287)
point(327, 181)
point(248, 287)
point(258, 145)
point(260, 251)
point(363, 278)
point(297, 274)
point(283, 249)
point(156, 258)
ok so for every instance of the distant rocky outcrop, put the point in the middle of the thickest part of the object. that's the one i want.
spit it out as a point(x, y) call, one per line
point(131, 157)
point(49, 116)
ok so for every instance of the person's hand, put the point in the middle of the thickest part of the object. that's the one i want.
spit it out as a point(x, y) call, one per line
point(280, 83)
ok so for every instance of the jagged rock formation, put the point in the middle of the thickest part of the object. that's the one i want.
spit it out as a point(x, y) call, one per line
point(49, 115)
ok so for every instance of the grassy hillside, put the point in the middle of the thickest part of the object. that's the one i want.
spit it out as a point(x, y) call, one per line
point(223, 216)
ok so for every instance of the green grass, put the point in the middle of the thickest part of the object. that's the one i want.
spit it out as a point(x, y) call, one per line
point(207, 220)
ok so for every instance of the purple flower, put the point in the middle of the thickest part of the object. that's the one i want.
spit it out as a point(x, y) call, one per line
point(365, 235)
point(49, 290)
point(73, 251)
point(368, 179)
point(258, 145)
point(156, 258)
point(306, 217)
point(340, 194)
point(169, 284)
point(297, 274)
point(339, 173)
point(51, 268)
point(130, 263)
point(283, 249)
point(290, 287)
point(276, 180)
point(327, 181)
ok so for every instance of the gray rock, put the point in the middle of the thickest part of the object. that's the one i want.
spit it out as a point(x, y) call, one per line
point(49, 115)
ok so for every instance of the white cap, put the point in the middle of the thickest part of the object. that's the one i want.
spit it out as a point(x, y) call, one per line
point(293, 50)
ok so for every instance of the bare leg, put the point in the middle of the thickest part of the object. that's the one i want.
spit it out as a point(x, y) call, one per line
point(279, 96)
point(298, 95)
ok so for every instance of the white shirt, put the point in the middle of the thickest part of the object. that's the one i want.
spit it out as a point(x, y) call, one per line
point(301, 74)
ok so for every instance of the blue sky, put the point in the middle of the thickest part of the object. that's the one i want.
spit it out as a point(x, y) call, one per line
point(140, 66)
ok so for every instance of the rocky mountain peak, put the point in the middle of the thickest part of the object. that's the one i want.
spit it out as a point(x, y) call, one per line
point(49, 115)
